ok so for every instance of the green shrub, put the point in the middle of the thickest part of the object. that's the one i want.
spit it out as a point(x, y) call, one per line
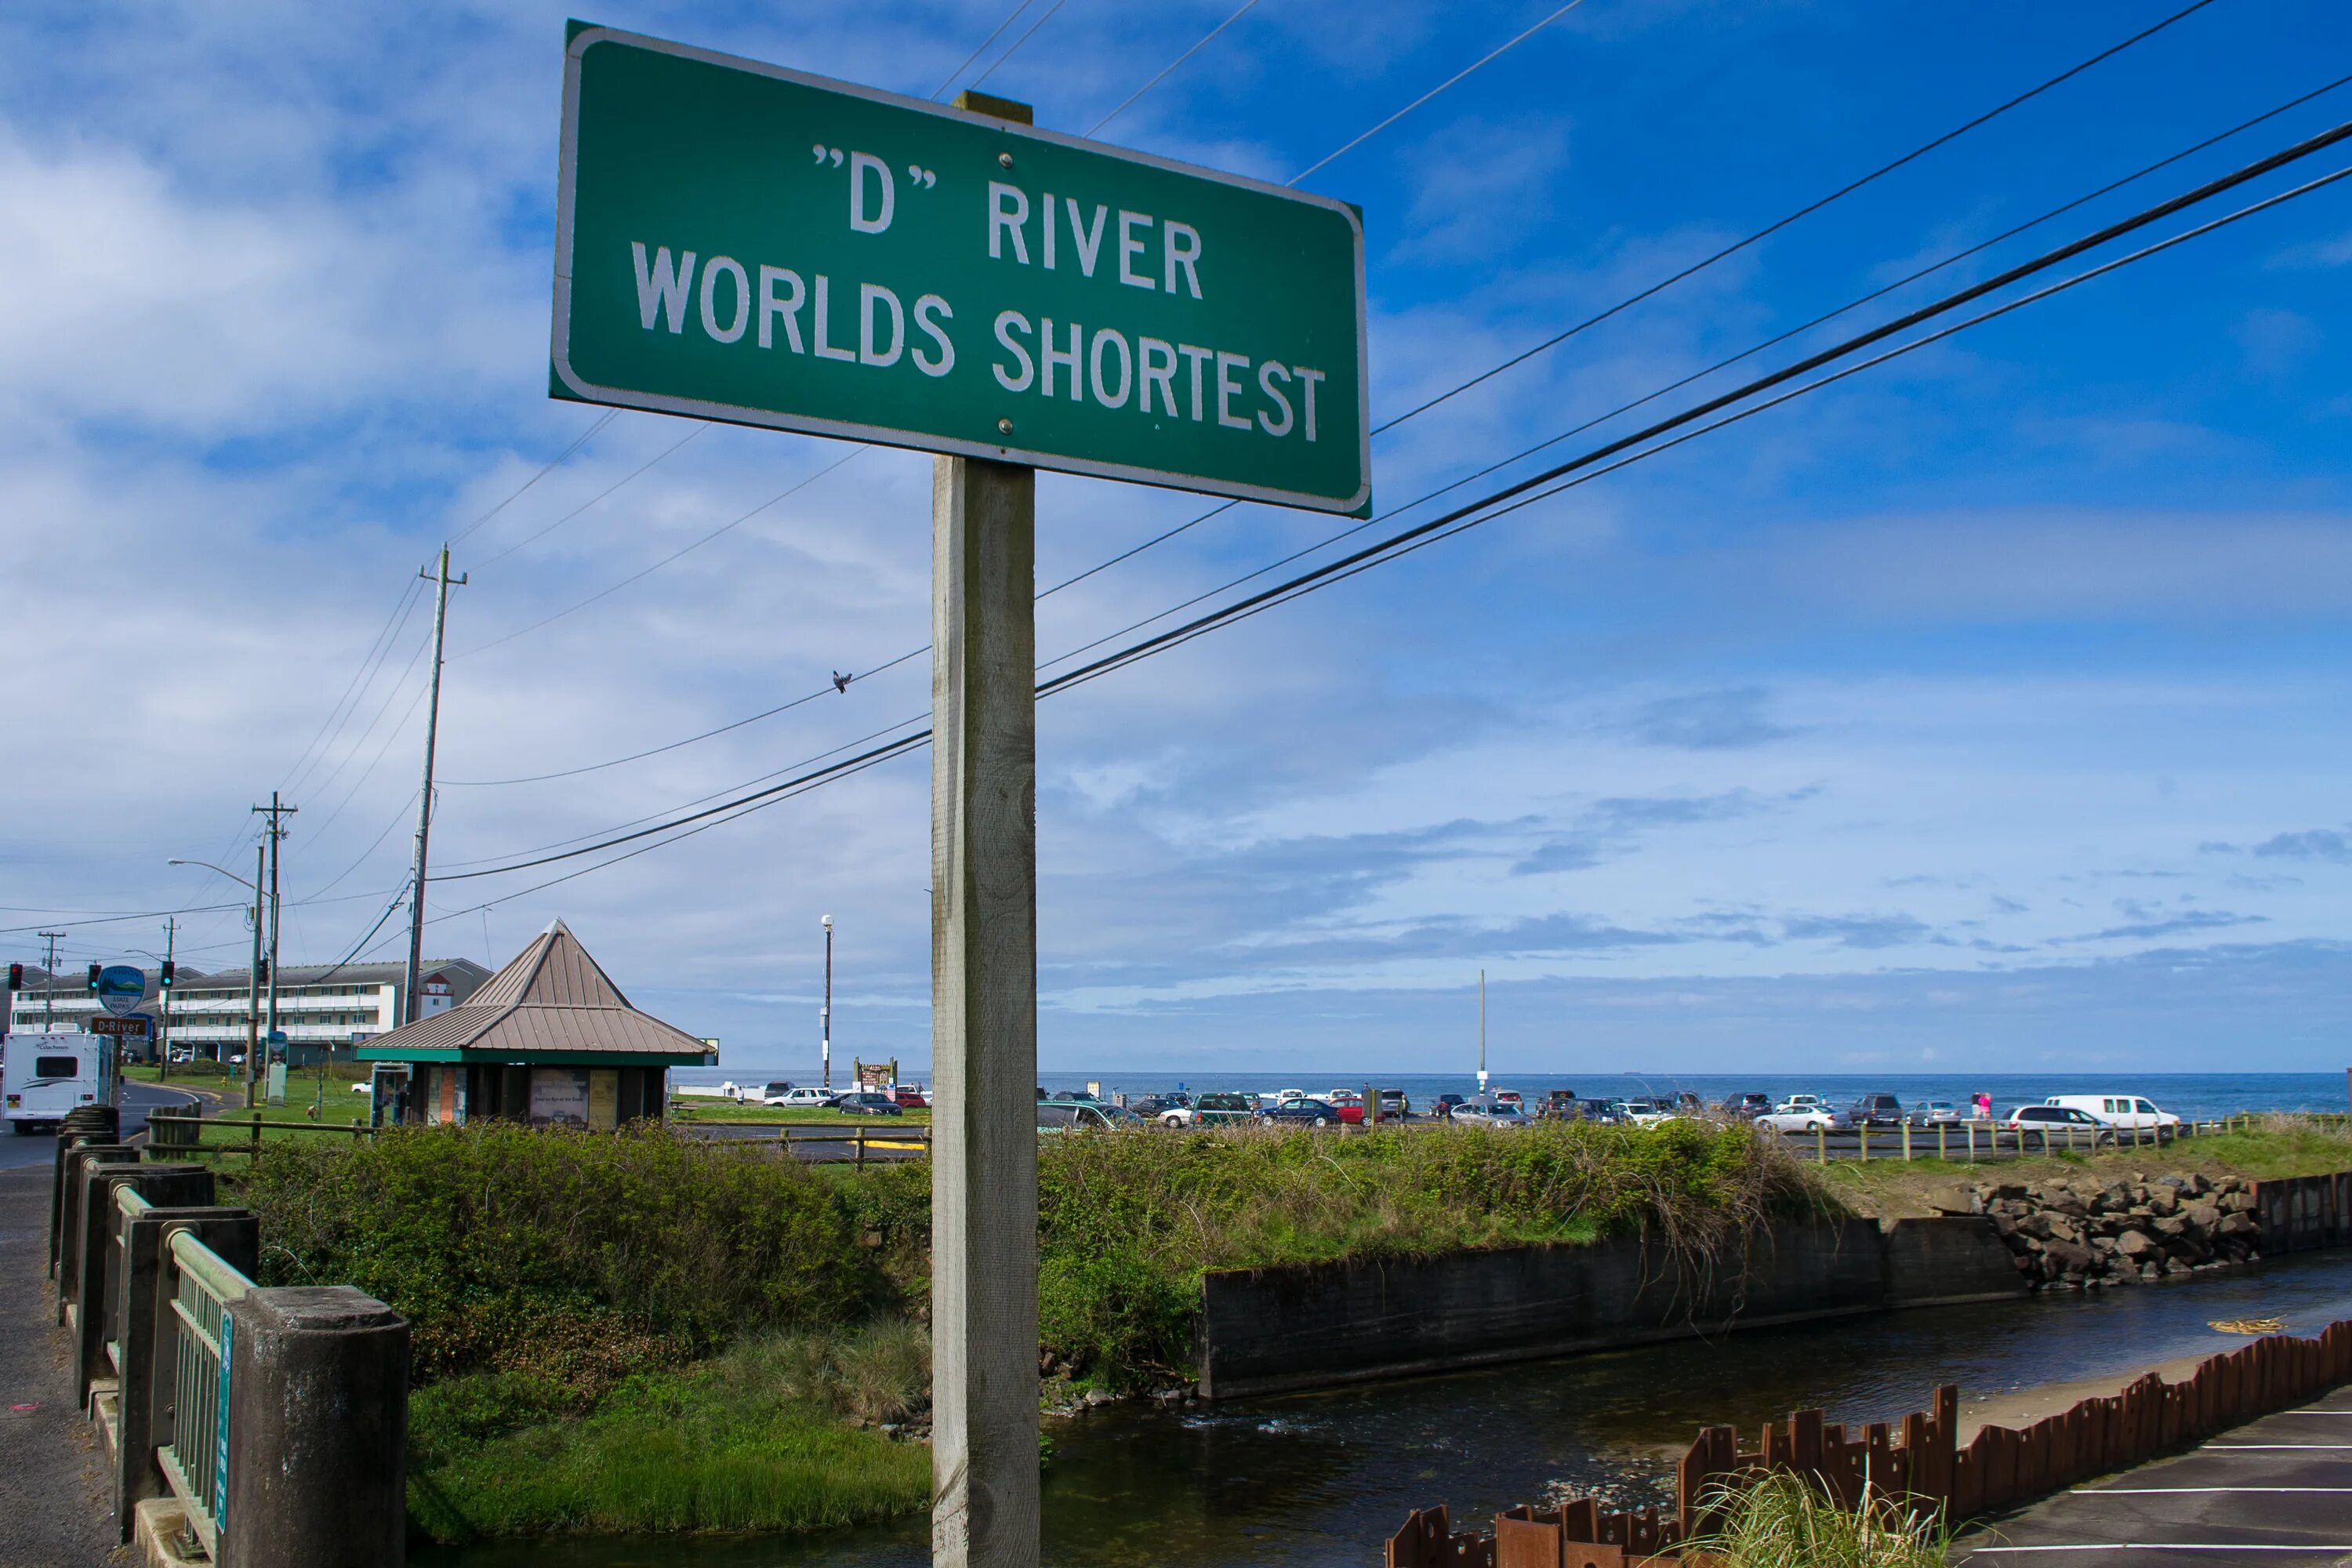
point(575, 1257)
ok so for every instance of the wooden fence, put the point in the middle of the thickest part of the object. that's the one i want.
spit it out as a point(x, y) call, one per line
point(1917, 1461)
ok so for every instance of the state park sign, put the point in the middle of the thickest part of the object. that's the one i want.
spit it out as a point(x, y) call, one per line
point(741, 242)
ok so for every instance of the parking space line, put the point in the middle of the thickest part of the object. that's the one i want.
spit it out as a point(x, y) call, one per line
point(2199, 1491)
point(2298, 1447)
point(2158, 1546)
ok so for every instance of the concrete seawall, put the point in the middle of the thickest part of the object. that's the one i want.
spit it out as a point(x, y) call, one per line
point(1264, 1331)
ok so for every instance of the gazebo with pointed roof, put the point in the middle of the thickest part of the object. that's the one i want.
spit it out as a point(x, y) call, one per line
point(548, 1039)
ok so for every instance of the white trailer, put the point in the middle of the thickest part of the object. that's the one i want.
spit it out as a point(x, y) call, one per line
point(44, 1073)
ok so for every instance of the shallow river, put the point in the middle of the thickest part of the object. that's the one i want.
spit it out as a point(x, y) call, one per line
point(1317, 1480)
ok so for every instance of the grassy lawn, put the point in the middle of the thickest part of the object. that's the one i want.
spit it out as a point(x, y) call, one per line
point(2277, 1146)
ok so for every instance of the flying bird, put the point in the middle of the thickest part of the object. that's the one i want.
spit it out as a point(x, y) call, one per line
point(841, 682)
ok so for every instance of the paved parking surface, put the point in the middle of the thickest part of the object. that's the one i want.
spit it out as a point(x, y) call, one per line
point(2276, 1490)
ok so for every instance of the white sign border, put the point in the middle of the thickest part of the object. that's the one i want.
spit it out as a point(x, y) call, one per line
point(732, 413)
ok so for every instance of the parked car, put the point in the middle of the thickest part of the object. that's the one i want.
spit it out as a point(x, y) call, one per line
point(1745, 1107)
point(1510, 1097)
point(1074, 1116)
point(1646, 1112)
point(2056, 1127)
point(1935, 1113)
point(807, 1097)
point(1802, 1113)
point(1491, 1110)
point(1209, 1110)
point(909, 1098)
point(868, 1103)
point(1150, 1106)
point(1395, 1105)
point(1447, 1104)
point(1301, 1112)
point(1877, 1110)
point(773, 1094)
point(2124, 1113)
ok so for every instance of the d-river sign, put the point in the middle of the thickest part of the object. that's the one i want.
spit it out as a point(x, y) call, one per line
point(741, 242)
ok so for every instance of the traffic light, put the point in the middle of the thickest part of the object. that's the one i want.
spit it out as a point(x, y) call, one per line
point(93, 975)
point(163, 976)
point(261, 973)
point(15, 977)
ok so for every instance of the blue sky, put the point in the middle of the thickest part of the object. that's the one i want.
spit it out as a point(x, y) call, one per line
point(1989, 710)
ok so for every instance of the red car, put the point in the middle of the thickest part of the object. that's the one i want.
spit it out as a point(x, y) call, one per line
point(910, 1099)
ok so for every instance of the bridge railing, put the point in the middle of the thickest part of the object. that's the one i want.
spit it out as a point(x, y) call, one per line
point(204, 1386)
point(200, 1285)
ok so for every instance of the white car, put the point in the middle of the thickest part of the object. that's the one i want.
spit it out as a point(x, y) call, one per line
point(807, 1098)
point(1496, 1113)
point(1646, 1112)
point(1802, 1113)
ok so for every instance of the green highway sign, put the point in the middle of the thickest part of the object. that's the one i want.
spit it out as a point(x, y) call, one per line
point(741, 242)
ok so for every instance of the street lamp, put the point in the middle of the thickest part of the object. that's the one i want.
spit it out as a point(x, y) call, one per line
point(253, 972)
point(824, 1015)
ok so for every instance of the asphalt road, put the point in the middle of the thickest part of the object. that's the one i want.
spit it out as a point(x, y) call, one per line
point(17, 1152)
point(2277, 1490)
point(55, 1510)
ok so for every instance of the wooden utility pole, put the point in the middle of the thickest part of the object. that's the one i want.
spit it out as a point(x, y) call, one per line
point(276, 832)
point(410, 1009)
point(253, 980)
point(983, 1014)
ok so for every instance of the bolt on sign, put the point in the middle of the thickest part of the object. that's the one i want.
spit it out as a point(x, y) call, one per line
point(741, 242)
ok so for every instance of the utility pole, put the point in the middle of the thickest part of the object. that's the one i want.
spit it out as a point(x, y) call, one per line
point(824, 1014)
point(276, 832)
point(424, 800)
point(163, 1005)
point(253, 982)
point(50, 980)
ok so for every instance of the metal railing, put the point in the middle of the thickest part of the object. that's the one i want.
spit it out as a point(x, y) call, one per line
point(201, 1286)
point(1976, 1140)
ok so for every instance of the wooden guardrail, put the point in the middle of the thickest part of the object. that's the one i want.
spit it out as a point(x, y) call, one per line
point(860, 1136)
point(172, 1134)
point(1917, 1465)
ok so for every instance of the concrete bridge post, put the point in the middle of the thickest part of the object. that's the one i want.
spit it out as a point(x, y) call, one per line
point(319, 1416)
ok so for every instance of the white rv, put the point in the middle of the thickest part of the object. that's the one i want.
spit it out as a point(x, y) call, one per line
point(44, 1073)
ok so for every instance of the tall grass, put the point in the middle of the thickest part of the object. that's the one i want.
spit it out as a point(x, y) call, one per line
point(1781, 1522)
point(753, 1440)
point(1128, 1223)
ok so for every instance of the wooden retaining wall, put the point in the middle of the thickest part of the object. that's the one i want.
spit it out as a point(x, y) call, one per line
point(1917, 1460)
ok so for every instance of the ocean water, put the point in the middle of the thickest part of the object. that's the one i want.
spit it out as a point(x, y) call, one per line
point(2196, 1096)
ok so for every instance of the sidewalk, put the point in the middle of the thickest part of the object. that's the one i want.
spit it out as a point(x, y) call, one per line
point(2275, 1490)
point(54, 1501)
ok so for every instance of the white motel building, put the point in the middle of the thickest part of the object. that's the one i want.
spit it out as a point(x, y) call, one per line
point(320, 1008)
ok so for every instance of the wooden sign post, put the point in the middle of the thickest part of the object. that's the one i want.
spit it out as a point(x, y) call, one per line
point(984, 1015)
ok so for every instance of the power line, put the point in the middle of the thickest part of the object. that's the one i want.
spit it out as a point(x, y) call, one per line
point(1205, 40)
point(1484, 60)
point(600, 495)
point(550, 467)
point(1013, 47)
point(1949, 259)
point(673, 555)
point(378, 649)
point(1526, 491)
point(1726, 363)
point(1009, 18)
point(1806, 210)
